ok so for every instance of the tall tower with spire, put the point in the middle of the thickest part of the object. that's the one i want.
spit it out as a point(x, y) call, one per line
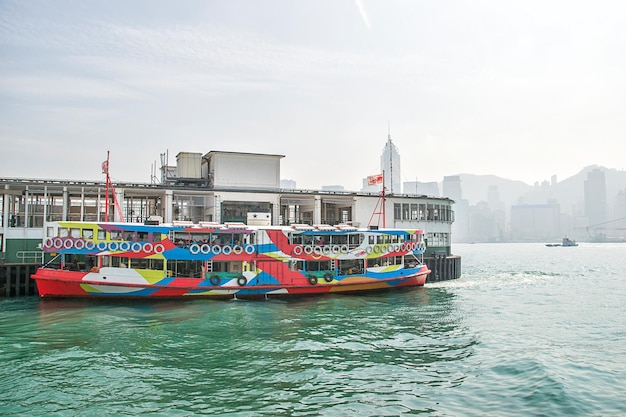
point(390, 164)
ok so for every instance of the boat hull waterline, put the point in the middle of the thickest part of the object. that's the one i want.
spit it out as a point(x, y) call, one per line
point(77, 284)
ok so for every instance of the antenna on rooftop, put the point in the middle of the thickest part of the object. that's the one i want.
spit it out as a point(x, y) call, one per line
point(390, 157)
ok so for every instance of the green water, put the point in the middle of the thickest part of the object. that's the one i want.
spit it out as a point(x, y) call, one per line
point(527, 330)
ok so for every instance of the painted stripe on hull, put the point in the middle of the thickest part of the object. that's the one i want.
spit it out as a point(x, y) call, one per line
point(51, 283)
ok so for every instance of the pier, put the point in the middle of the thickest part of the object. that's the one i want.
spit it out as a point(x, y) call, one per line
point(15, 280)
point(443, 267)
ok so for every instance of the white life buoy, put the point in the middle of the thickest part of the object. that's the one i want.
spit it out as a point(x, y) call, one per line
point(90, 245)
point(368, 250)
point(102, 246)
point(159, 248)
point(216, 250)
point(308, 249)
point(79, 244)
point(237, 250)
point(125, 246)
point(148, 248)
point(336, 249)
point(317, 250)
point(113, 246)
point(68, 244)
point(227, 250)
point(136, 247)
point(344, 249)
point(249, 249)
point(205, 249)
point(297, 250)
point(194, 248)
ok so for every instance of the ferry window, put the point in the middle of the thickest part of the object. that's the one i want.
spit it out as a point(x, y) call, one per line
point(75, 232)
point(143, 263)
point(180, 238)
point(371, 240)
point(221, 239)
point(139, 263)
point(189, 269)
point(63, 232)
point(307, 239)
point(339, 239)
point(119, 262)
point(318, 266)
point(115, 234)
point(355, 239)
point(102, 235)
point(156, 237)
point(129, 236)
point(351, 266)
point(219, 266)
point(142, 236)
point(88, 233)
point(200, 238)
point(238, 239)
point(155, 264)
point(295, 239)
point(50, 231)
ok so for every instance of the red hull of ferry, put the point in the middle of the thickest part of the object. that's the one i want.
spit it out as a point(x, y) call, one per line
point(53, 283)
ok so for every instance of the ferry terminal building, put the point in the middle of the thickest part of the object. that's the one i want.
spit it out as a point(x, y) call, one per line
point(219, 187)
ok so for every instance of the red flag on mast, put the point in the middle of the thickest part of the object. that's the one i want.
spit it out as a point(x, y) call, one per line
point(375, 179)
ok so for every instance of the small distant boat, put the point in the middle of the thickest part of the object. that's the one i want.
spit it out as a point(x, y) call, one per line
point(566, 242)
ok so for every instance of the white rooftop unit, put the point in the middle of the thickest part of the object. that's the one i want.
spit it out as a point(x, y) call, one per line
point(243, 170)
point(188, 165)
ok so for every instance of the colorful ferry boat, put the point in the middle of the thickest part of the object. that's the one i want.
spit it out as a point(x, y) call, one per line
point(232, 260)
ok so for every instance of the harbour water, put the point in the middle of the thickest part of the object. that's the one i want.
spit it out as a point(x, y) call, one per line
point(527, 330)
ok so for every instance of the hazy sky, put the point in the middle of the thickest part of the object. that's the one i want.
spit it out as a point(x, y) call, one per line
point(520, 89)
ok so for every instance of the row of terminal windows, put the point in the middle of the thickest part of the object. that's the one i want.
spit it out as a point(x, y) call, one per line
point(415, 211)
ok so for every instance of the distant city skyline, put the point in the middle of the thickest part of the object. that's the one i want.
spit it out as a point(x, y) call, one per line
point(522, 90)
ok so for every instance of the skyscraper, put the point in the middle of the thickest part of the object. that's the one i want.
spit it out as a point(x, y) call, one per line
point(390, 164)
point(452, 187)
point(595, 197)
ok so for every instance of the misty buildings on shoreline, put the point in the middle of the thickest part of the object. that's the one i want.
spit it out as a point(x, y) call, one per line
point(590, 206)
